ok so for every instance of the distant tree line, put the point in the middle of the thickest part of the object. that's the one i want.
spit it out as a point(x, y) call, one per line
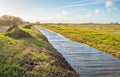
point(7, 20)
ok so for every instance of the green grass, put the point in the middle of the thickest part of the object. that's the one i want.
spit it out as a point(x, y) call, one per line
point(101, 37)
point(32, 57)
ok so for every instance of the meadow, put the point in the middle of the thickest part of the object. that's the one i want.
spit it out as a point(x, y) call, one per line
point(25, 52)
point(105, 37)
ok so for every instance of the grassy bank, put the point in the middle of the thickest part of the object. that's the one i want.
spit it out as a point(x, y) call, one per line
point(102, 37)
point(1, 26)
point(30, 55)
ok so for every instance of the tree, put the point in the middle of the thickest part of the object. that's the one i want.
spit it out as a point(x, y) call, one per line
point(7, 20)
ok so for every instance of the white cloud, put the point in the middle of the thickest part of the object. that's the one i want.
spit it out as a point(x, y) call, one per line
point(111, 9)
point(99, 12)
point(61, 14)
point(110, 3)
point(80, 1)
point(85, 3)
point(41, 9)
point(83, 9)
point(64, 12)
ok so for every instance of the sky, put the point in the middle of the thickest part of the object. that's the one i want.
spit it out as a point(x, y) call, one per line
point(63, 11)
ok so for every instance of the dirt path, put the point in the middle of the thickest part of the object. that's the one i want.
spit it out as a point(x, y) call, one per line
point(87, 61)
point(3, 29)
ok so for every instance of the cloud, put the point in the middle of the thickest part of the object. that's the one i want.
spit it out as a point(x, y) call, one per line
point(80, 1)
point(61, 14)
point(110, 3)
point(64, 12)
point(99, 12)
point(109, 10)
point(41, 9)
point(84, 3)
point(83, 9)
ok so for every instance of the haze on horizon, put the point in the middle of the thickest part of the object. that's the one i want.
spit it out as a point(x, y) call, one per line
point(63, 11)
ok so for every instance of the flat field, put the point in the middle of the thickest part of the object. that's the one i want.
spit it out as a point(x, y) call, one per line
point(105, 37)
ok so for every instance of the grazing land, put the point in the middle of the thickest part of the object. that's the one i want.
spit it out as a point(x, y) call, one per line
point(104, 37)
point(25, 52)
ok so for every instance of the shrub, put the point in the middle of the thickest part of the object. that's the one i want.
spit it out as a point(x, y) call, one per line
point(29, 26)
